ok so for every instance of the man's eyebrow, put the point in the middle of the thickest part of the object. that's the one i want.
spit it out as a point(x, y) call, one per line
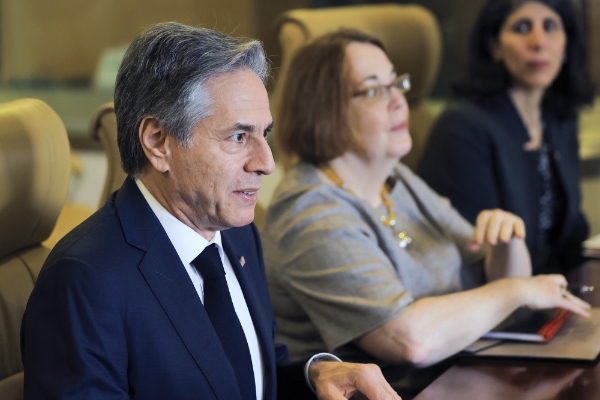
point(244, 127)
point(249, 127)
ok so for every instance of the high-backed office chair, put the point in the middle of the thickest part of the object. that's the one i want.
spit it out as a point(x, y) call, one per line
point(103, 127)
point(410, 34)
point(34, 180)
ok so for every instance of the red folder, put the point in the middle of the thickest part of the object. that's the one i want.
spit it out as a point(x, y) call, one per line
point(530, 326)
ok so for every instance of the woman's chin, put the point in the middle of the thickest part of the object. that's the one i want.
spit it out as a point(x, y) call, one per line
point(400, 148)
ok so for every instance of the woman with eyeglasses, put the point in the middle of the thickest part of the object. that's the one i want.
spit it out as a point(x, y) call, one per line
point(363, 258)
point(511, 143)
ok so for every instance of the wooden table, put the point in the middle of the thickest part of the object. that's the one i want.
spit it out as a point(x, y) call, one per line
point(473, 379)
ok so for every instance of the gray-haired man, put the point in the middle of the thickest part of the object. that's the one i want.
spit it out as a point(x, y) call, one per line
point(162, 294)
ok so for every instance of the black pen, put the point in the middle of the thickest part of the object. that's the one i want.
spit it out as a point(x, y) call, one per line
point(578, 289)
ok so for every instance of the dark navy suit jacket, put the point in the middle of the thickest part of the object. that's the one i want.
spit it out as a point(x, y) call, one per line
point(475, 157)
point(114, 314)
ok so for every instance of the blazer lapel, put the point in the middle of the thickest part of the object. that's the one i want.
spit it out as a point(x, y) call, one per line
point(558, 137)
point(170, 283)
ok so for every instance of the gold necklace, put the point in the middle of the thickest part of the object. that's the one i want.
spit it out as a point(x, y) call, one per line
point(388, 220)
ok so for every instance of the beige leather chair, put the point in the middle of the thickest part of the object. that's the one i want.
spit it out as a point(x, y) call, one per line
point(103, 127)
point(34, 180)
point(410, 34)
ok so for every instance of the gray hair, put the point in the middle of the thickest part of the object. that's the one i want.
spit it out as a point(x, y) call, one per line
point(163, 75)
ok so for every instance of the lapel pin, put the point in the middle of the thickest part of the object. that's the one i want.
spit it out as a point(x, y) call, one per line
point(242, 261)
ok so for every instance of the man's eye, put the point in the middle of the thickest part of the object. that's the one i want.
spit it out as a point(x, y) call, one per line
point(371, 93)
point(238, 137)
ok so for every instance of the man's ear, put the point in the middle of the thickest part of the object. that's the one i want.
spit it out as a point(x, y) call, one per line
point(155, 141)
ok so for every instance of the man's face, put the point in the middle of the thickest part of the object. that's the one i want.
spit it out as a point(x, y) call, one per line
point(215, 181)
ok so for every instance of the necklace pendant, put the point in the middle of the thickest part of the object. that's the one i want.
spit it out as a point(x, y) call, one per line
point(404, 240)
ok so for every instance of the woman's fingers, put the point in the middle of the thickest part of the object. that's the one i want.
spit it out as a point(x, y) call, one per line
point(548, 291)
point(480, 228)
point(496, 225)
point(511, 226)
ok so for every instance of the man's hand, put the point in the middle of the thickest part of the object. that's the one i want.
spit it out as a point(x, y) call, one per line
point(340, 380)
point(493, 226)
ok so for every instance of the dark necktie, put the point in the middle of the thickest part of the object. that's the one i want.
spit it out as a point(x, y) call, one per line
point(219, 307)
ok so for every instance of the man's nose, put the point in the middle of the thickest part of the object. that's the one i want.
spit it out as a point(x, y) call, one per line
point(261, 160)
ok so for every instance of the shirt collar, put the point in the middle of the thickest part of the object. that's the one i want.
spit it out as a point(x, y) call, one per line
point(187, 242)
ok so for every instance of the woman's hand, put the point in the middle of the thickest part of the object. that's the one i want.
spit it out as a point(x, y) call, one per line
point(550, 291)
point(493, 226)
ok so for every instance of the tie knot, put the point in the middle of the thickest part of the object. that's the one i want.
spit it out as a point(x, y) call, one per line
point(208, 263)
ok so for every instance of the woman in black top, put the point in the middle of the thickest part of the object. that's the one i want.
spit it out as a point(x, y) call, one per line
point(511, 143)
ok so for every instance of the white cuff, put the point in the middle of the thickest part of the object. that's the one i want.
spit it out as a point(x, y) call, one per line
point(314, 359)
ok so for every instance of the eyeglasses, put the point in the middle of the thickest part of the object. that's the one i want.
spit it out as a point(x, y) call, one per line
point(402, 83)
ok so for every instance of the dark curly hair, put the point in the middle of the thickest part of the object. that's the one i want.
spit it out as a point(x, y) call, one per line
point(488, 80)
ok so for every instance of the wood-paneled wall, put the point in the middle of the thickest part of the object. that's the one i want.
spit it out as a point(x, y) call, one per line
point(62, 39)
point(593, 36)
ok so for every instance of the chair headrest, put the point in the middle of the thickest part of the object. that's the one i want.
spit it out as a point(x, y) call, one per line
point(34, 172)
point(96, 121)
point(410, 34)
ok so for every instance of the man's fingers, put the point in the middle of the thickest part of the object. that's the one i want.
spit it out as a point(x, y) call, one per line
point(331, 395)
point(371, 383)
point(339, 381)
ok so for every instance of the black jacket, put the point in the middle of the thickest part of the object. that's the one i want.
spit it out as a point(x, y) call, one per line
point(475, 157)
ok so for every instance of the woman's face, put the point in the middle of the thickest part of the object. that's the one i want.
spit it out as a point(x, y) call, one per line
point(380, 122)
point(531, 44)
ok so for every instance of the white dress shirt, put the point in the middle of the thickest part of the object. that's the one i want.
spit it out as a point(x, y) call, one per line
point(188, 245)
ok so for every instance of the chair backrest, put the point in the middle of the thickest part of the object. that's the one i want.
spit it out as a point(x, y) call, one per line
point(410, 34)
point(34, 180)
point(103, 127)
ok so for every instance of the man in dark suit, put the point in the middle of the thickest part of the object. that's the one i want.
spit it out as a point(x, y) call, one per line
point(161, 294)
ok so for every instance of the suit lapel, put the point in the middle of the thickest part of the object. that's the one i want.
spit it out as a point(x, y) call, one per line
point(170, 283)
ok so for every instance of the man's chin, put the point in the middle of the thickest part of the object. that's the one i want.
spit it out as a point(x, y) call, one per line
point(240, 221)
